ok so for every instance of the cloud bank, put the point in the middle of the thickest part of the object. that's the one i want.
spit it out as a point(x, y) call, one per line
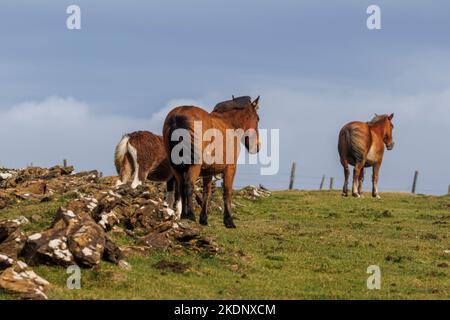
point(45, 132)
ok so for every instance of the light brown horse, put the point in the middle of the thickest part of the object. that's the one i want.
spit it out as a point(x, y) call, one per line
point(140, 156)
point(361, 144)
point(199, 158)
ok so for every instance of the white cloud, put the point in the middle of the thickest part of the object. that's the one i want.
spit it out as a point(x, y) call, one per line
point(44, 133)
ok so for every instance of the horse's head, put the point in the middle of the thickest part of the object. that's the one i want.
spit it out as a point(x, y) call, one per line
point(387, 139)
point(242, 114)
point(250, 125)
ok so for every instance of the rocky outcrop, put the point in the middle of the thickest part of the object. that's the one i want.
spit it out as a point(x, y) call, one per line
point(253, 192)
point(19, 279)
point(73, 238)
point(82, 230)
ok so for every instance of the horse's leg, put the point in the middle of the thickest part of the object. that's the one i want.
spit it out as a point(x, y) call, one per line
point(133, 153)
point(356, 173)
point(190, 177)
point(180, 195)
point(170, 192)
point(228, 178)
point(207, 186)
point(346, 175)
point(361, 182)
point(178, 204)
point(376, 170)
point(125, 171)
point(144, 171)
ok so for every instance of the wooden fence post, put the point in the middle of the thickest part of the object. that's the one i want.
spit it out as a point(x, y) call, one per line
point(416, 174)
point(322, 182)
point(331, 183)
point(65, 163)
point(291, 182)
point(448, 192)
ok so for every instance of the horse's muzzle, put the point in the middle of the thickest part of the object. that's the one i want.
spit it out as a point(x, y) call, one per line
point(253, 147)
point(390, 146)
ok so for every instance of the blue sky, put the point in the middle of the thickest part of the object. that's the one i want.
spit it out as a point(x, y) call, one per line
point(72, 94)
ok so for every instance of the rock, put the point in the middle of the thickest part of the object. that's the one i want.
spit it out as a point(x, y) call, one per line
point(7, 227)
point(112, 252)
point(87, 244)
point(124, 265)
point(5, 261)
point(253, 192)
point(133, 249)
point(19, 279)
point(10, 248)
point(73, 237)
point(5, 175)
point(155, 240)
point(34, 187)
point(186, 233)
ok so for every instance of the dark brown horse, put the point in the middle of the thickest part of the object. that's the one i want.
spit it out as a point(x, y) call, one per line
point(140, 156)
point(361, 144)
point(210, 146)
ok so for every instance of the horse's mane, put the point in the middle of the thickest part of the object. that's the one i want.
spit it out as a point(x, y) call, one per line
point(377, 118)
point(235, 103)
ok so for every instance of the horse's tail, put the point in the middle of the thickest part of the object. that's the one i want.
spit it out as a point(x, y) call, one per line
point(350, 143)
point(174, 123)
point(120, 152)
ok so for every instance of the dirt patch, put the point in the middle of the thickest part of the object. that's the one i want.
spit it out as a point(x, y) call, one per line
point(176, 267)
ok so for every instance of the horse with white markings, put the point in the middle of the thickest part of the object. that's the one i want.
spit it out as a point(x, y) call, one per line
point(361, 144)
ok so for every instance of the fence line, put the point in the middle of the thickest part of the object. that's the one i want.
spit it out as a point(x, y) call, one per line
point(311, 180)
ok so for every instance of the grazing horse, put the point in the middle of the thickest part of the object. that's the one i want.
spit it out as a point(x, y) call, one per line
point(361, 144)
point(141, 155)
point(226, 126)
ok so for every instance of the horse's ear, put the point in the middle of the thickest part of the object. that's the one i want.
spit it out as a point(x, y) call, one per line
point(255, 103)
point(391, 117)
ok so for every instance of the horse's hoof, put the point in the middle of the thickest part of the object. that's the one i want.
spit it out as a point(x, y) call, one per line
point(377, 196)
point(345, 195)
point(230, 224)
point(355, 195)
point(188, 217)
point(203, 222)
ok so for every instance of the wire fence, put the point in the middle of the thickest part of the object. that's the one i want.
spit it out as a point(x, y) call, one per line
point(281, 181)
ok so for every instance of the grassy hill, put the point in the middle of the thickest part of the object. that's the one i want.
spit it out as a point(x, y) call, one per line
point(292, 245)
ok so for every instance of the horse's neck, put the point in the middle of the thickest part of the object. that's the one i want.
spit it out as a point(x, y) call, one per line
point(232, 118)
point(378, 130)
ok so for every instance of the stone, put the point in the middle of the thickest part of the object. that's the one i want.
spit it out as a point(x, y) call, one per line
point(155, 240)
point(10, 248)
point(254, 192)
point(73, 237)
point(5, 175)
point(87, 244)
point(124, 265)
point(20, 280)
point(7, 227)
point(112, 252)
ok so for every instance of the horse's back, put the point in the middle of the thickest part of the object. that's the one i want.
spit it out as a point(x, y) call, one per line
point(354, 142)
point(190, 112)
point(151, 153)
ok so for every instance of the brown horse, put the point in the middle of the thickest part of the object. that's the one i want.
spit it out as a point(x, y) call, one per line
point(229, 123)
point(140, 156)
point(361, 144)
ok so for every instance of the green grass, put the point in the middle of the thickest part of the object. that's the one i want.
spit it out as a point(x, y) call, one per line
point(292, 245)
